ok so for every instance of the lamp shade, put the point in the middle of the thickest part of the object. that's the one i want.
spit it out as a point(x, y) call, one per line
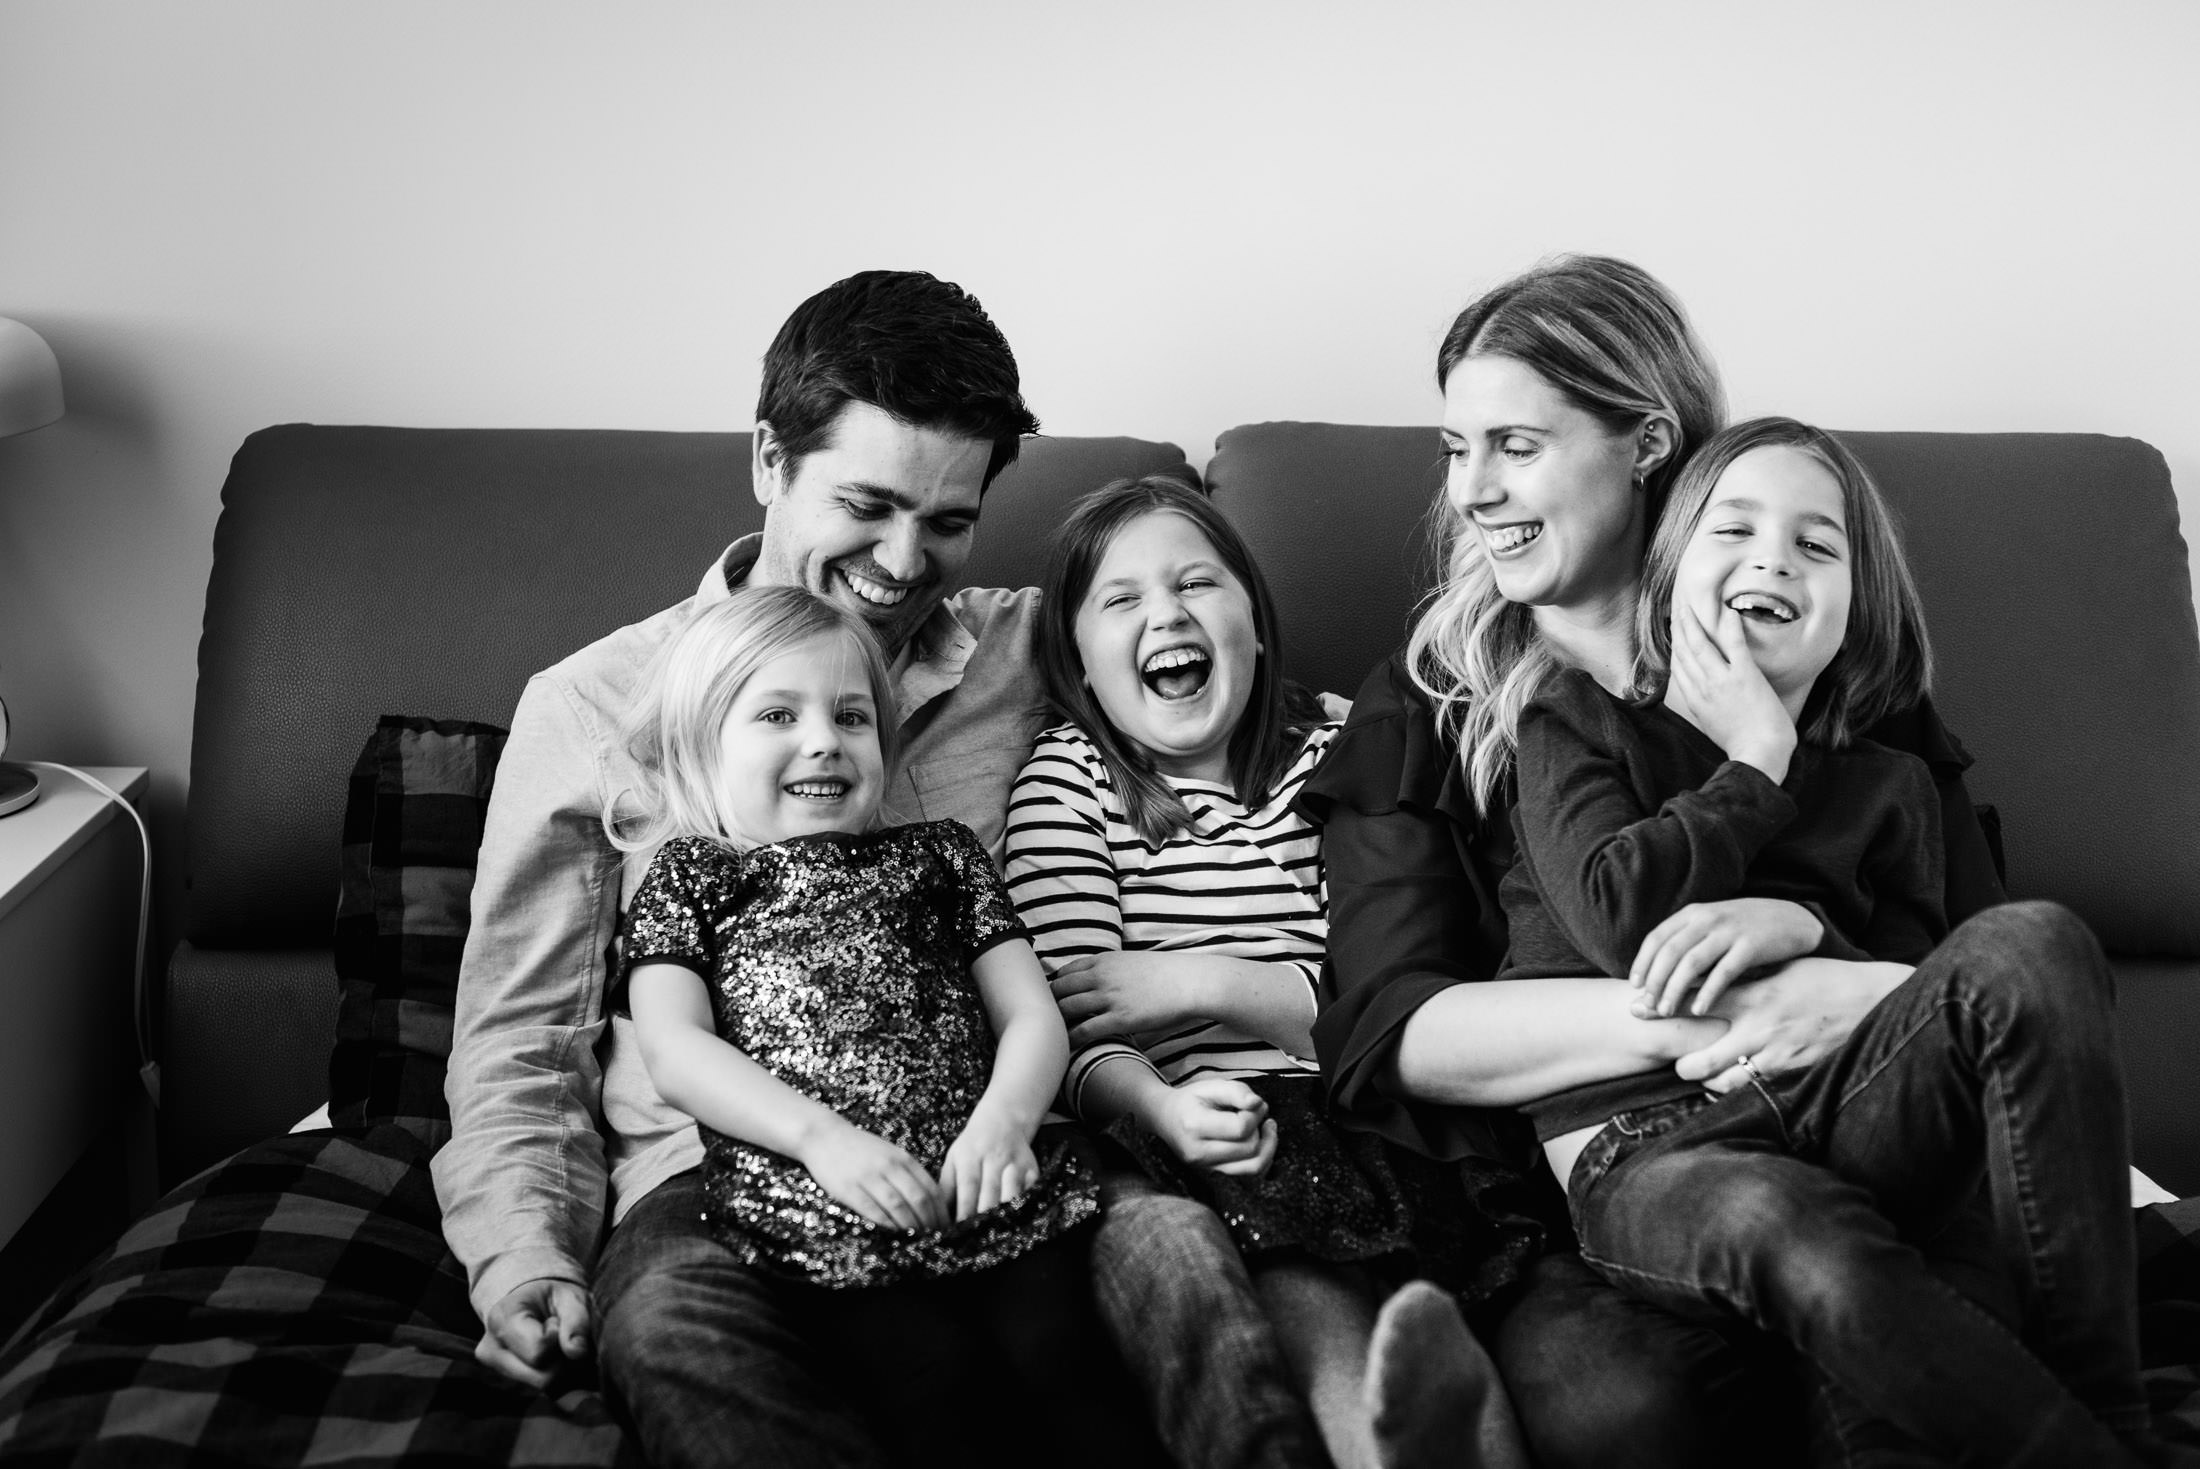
point(30, 380)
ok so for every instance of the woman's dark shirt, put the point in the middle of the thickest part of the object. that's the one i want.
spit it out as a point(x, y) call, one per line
point(1627, 813)
point(1413, 899)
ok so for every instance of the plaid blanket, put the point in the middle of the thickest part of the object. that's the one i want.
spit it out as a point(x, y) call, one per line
point(296, 1305)
point(293, 1305)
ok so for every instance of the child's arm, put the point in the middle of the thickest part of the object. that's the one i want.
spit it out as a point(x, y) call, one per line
point(1120, 993)
point(991, 1161)
point(1064, 882)
point(1209, 1121)
point(1614, 861)
point(1906, 871)
point(713, 1082)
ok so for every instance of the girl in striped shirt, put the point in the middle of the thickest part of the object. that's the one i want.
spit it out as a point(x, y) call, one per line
point(1177, 903)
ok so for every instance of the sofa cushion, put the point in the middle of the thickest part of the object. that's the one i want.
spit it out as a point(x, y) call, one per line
point(412, 827)
point(358, 570)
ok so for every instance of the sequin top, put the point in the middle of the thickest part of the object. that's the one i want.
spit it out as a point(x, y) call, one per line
point(841, 964)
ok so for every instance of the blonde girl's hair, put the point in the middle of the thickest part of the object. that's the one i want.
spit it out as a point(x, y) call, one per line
point(1277, 717)
point(1885, 662)
point(1617, 345)
point(673, 730)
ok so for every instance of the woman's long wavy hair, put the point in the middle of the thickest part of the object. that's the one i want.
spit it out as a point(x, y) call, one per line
point(1274, 725)
point(1616, 343)
point(673, 729)
point(1885, 661)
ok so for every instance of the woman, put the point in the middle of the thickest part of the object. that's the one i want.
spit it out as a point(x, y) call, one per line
point(1572, 396)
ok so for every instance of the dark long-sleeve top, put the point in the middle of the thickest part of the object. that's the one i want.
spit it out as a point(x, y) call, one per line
point(1627, 813)
point(1413, 905)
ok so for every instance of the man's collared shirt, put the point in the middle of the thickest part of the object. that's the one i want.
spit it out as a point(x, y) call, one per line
point(536, 1062)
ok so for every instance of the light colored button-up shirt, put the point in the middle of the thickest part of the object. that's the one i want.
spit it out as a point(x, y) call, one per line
point(554, 1120)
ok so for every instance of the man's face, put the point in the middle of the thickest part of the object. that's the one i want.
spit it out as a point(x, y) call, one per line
point(879, 520)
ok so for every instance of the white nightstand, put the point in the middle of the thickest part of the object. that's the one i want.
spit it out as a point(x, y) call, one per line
point(69, 868)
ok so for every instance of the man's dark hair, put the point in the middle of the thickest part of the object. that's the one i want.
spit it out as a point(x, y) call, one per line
point(905, 341)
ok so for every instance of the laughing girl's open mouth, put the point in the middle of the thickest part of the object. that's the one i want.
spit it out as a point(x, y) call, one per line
point(1177, 673)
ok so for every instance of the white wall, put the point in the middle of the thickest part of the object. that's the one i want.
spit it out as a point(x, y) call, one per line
point(1185, 215)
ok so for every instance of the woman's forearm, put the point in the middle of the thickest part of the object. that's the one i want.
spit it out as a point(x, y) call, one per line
point(1505, 1042)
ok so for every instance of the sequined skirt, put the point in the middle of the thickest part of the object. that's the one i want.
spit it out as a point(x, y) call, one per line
point(1338, 1194)
point(768, 1211)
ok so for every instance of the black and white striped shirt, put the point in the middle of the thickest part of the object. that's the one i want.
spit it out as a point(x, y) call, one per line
point(1242, 883)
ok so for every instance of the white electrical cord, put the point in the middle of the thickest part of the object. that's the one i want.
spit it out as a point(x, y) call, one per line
point(141, 1019)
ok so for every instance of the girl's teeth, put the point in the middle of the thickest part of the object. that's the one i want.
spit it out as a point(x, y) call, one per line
point(1512, 536)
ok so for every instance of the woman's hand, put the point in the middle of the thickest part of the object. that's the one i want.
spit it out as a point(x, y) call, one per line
point(1716, 944)
point(864, 1172)
point(1117, 995)
point(989, 1163)
point(1215, 1123)
point(1792, 1018)
point(1717, 686)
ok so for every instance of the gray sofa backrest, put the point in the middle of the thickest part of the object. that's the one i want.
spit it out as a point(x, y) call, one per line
point(364, 571)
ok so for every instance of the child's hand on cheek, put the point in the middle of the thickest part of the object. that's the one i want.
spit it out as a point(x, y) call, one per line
point(864, 1172)
point(1717, 686)
point(989, 1164)
point(1219, 1124)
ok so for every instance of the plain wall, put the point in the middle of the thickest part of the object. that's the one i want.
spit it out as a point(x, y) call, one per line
point(1185, 216)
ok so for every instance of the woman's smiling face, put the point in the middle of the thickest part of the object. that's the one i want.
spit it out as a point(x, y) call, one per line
point(1166, 637)
point(1547, 487)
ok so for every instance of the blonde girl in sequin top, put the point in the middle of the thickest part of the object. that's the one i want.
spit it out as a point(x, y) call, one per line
point(1177, 901)
point(856, 1020)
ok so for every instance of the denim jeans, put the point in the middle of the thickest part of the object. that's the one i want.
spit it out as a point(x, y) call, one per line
point(1177, 1299)
point(1802, 1206)
point(706, 1359)
point(701, 1354)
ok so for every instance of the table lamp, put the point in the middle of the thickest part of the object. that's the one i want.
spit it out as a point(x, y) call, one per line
point(30, 397)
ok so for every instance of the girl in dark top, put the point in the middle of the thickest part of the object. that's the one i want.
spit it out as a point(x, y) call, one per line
point(1726, 819)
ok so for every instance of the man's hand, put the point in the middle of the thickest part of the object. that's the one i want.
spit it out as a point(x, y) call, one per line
point(1716, 944)
point(864, 1172)
point(539, 1327)
point(987, 1165)
point(1219, 1124)
point(1792, 1018)
point(1115, 996)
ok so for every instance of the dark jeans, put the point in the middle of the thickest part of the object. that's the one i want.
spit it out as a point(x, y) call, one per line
point(1598, 1378)
point(1801, 1206)
point(711, 1362)
point(1177, 1299)
point(996, 1367)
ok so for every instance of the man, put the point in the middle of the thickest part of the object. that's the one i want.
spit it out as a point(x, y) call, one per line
point(889, 403)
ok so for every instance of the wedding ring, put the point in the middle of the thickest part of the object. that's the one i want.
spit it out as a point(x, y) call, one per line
point(1751, 1067)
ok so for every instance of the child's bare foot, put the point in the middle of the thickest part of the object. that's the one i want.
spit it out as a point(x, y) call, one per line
point(1433, 1395)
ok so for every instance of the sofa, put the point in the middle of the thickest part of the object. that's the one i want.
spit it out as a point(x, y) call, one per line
point(290, 1300)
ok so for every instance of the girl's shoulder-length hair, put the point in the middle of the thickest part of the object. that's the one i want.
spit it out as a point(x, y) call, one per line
point(672, 730)
point(1885, 662)
point(1616, 344)
point(1277, 715)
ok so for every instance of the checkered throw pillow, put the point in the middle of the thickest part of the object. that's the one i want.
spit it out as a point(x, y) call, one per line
point(412, 826)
